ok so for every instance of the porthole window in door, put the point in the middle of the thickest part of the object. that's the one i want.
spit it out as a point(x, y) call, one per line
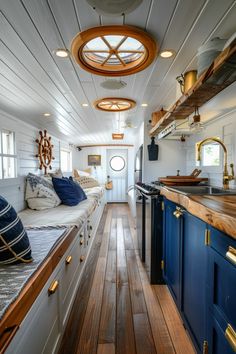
point(117, 163)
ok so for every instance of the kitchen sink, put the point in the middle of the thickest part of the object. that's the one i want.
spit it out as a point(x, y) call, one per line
point(202, 190)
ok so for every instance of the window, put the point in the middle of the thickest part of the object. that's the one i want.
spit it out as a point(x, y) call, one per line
point(211, 155)
point(117, 163)
point(66, 160)
point(8, 156)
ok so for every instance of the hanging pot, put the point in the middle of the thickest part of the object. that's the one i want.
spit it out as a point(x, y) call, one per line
point(187, 80)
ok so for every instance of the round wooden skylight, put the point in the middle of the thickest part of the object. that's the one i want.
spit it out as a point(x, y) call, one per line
point(114, 50)
point(114, 104)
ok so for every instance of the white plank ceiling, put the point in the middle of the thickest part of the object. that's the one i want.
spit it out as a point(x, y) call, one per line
point(33, 80)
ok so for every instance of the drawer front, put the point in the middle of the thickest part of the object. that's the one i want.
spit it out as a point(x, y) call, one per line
point(70, 272)
point(221, 243)
point(40, 330)
point(222, 287)
point(217, 340)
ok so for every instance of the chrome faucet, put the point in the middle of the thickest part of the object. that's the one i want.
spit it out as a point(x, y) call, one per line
point(226, 176)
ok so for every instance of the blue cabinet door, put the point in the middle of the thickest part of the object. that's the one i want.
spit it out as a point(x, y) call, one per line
point(194, 278)
point(222, 292)
point(172, 250)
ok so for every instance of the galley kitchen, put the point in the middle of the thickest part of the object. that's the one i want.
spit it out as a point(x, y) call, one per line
point(117, 177)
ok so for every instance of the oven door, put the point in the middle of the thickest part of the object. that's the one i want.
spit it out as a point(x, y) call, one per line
point(140, 224)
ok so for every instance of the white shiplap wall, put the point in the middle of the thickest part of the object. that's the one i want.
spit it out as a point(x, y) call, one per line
point(225, 128)
point(26, 148)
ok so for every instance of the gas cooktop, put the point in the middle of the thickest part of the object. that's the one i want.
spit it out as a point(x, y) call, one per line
point(149, 189)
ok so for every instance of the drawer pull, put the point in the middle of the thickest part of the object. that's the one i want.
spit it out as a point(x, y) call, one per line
point(81, 242)
point(68, 260)
point(89, 236)
point(230, 335)
point(231, 254)
point(82, 258)
point(81, 235)
point(53, 287)
point(90, 227)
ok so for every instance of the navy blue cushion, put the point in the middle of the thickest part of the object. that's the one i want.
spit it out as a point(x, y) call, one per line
point(14, 242)
point(68, 191)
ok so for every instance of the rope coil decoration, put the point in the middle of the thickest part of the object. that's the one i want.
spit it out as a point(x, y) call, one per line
point(44, 151)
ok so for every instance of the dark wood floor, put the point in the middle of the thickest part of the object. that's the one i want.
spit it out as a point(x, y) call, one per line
point(116, 309)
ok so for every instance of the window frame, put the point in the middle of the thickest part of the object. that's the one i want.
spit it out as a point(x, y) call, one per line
point(210, 169)
point(69, 152)
point(3, 155)
point(121, 157)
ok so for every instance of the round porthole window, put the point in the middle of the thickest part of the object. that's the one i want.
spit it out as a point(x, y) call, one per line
point(114, 50)
point(117, 163)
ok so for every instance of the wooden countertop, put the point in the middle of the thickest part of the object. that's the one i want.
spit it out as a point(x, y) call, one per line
point(218, 211)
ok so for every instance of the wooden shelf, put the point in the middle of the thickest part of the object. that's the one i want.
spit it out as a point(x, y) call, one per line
point(220, 74)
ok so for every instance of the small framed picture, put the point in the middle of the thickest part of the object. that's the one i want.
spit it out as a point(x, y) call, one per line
point(94, 160)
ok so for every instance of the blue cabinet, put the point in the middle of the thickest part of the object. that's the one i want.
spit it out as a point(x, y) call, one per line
point(172, 250)
point(194, 278)
point(200, 271)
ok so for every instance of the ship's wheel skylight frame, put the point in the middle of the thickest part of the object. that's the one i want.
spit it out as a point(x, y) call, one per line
point(114, 104)
point(114, 50)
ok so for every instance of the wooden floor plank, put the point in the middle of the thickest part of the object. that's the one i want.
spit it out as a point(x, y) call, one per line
point(175, 326)
point(125, 343)
point(159, 328)
point(127, 234)
point(90, 330)
point(136, 289)
point(107, 328)
point(122, 275)
point(143, 334)
point(112, 243)
point(108, 348)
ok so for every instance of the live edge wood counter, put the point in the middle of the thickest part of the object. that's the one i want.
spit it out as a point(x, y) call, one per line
point(218, 211)
point(19, 308)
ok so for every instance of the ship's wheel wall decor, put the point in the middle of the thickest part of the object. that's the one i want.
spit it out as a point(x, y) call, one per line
point(44, 151)
point(114, 104)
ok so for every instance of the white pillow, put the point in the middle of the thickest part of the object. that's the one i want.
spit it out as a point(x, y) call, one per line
point(40, 193)
point(86, 182)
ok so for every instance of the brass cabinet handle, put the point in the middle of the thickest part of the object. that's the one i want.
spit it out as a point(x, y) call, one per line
point(231, 254)
point(81, 242)
point(53, 287)
point(230, 335)
point(178, 212)
point(68, 260)
point(82, 258)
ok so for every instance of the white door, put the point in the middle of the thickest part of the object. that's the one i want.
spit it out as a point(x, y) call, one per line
point(117, 170)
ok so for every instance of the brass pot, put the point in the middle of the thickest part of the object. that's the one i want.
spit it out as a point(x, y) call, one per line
point(190, 77)
point(187, 80)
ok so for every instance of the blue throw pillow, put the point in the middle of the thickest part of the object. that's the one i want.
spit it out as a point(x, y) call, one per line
point(14, 242)
point(68, 191)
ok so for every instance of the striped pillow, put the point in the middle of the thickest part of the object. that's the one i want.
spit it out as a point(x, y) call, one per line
point(14, 242)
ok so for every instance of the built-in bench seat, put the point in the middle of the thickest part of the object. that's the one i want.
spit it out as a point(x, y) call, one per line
point(33, 318)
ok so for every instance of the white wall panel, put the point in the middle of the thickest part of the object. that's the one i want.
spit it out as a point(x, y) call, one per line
point(26, 148)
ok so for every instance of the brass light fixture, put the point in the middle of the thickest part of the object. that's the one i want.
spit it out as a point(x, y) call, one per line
point(114, 50)
point(114, 104)
point(117, 136)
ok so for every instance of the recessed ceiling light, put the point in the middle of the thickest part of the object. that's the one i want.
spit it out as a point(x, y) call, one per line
point(85, 104)
point(168, 53)
point(62, 53)
point(144, 105)
point(47, 114)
